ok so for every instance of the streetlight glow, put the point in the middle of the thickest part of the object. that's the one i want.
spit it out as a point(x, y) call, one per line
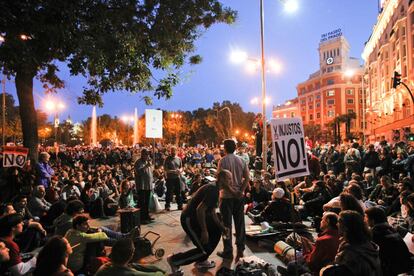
point(24, 37)
point(291, 6)
point(255, 100)
point(252, 66)
point(238, 56)
point(52, 105)
point(126, 119)
point(275, 66)
point(349, 73)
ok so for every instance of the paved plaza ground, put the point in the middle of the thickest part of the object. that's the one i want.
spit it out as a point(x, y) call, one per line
point(173, 239)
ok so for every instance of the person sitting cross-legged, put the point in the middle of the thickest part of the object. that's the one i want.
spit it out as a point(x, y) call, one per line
point(279, 209)
point(319, 254)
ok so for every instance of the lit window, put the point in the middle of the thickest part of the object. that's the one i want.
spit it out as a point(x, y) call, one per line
point(350, 91)
point(331, 113)
point(330, 93)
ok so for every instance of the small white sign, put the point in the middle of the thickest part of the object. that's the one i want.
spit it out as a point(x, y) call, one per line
point(289, 152)
point(153, 123)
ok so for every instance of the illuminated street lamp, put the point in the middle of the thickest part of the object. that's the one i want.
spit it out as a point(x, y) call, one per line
point(176, 117)
point(256, 101)
point(240, 57)
point(290, 6)
point(53, 107)
point(252, 65)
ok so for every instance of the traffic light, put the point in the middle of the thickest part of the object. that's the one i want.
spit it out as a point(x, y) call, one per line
point(396, 80)
point(411, 137)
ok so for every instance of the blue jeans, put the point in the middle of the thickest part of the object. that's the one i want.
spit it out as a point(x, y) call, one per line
point(113, 235)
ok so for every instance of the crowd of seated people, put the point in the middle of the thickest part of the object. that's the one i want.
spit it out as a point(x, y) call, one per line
point(56, 197)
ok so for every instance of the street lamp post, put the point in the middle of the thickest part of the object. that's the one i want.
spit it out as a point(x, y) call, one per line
point(290, 6)
point(54, 106)
point(176, 117)
point(364, 106)
point(3, 125)
point(264, 142)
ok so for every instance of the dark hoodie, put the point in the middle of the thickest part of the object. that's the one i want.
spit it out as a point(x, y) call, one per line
point(360, 259)
point(393, 252)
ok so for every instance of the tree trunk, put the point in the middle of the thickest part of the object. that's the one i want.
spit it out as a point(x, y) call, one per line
point(24, 87)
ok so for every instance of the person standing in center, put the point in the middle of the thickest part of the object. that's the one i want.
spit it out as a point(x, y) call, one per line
point(172, 166)
point(232, 201)
point(144, 184)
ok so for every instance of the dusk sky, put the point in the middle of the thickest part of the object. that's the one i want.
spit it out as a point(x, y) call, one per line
point(291, 38)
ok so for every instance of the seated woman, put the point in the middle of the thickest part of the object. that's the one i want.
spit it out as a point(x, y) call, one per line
point(319, 254)
point(126, 199)
point(356, 253)
point(278, 210)
point(349, 202)
point(53, 258)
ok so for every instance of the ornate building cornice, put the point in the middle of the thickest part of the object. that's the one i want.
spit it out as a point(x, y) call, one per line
point(383, 20)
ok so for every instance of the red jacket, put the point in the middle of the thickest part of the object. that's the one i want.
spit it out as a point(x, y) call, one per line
point(324, 250)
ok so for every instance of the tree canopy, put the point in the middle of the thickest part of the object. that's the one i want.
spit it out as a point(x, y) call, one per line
point(191, 127)
point(114, 44)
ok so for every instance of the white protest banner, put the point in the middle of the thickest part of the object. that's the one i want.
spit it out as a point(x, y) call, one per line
point(14, 156)
point(153, 123)
point(289, 148)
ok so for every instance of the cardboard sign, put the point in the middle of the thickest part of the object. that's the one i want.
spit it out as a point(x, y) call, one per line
point(289, 148)
point(153, 123)
point(14, 156)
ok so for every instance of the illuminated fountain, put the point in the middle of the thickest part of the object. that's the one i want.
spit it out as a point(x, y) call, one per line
point(94, 142)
